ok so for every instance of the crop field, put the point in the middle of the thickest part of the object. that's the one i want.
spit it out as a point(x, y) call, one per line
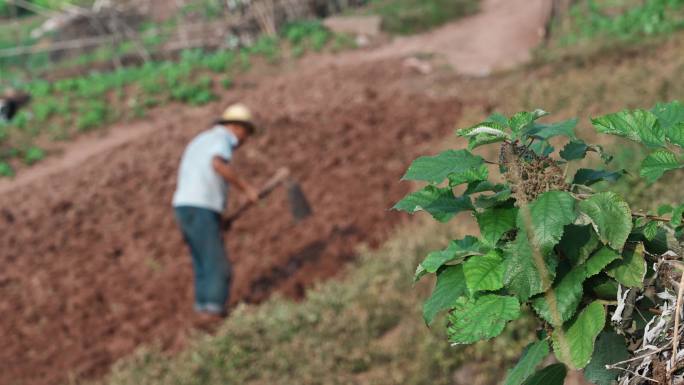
point(64, 107)
point(97, 284)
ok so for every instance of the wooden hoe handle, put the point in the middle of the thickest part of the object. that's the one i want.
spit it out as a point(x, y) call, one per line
point(276, 180)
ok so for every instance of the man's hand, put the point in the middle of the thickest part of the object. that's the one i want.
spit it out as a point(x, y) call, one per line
point(251, 193)
point(224, 169)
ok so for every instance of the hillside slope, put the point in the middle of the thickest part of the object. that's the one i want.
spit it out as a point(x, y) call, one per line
point(367, 328)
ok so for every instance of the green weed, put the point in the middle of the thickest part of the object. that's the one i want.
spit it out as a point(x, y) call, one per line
point(412, 16)
point(622, 20)
point(33, 155)
point(91, 115)
point(6, 169)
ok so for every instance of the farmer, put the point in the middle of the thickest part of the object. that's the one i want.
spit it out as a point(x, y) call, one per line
point(201, 194)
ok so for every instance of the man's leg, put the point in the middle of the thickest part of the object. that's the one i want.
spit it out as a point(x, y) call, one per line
point(217, 270)
point(188, 221)
point(212, 269)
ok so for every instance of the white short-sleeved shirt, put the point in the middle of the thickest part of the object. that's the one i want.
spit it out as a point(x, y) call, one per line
point(199, 185)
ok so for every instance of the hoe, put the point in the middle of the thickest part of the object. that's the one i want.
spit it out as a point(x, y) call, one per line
point(299, 204)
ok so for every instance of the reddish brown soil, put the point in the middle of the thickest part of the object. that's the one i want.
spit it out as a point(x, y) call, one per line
point(92, 261)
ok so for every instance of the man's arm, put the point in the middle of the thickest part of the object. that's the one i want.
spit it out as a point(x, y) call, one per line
point(227, 172)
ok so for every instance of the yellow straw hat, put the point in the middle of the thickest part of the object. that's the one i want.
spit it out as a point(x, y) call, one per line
point(239, 114)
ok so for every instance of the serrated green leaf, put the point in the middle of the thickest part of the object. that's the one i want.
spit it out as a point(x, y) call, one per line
point(439, 202)
point(483, 139)
point(669, 114)
point(435, 169)
point(588, 177)
point(610, 348)
point(677, 214)
point(498, 118)
point(473, 319)
point(457, 250)
point(671, 119)
point(482, 186)
point(568, 294)
point(580, 336)
point(521, 276)
point(531, 357)
point(637, 125)
point(488, 201)
point(578, 243)
point(631, 269)
point(657, 163)
point(575, 149)
point(610, 216)
point(547, 131)
point(550, 375)
point(600, 260)
point(522, 120)
point(675, 134)
point(651, 230)
point(494, 223)
point(550, 212)
point(542, 148)
point(484, 272)
point(474, 174)
point(450, 286)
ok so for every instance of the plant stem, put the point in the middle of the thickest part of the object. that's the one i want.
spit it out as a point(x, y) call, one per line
point(651, 217)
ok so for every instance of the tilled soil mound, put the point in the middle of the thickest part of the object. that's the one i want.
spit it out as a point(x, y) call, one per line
point(93, 264)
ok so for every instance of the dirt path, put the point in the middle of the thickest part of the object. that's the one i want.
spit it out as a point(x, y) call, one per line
point(499, 37)
point(94, 266)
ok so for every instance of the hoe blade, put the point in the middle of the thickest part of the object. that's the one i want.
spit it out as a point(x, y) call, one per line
point(299, 205)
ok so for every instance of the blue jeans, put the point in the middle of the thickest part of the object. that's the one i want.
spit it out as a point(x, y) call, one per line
point(202, 232)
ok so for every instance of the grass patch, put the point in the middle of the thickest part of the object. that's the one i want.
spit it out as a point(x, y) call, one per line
point(365, 329)
point(406, 17)
point(623, 20)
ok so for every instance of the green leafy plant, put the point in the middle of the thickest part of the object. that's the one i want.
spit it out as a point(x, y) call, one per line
point(6, 169)
point(413, 16)
point(554, 244)
point(622, 20)
point(33, 155)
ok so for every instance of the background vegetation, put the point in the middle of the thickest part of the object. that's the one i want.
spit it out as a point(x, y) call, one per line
point(345, 333)
point(412, 16)
point(605, 21)
point(66, 107)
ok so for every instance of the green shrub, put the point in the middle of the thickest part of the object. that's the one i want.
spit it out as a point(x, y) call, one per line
point(555, 243)
point(6, 169)
point(91, 115)
point(266, 46)
point(33, 155)
point(195, 93)
point(623, 20)
point(302, 35)
point(413, 16)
